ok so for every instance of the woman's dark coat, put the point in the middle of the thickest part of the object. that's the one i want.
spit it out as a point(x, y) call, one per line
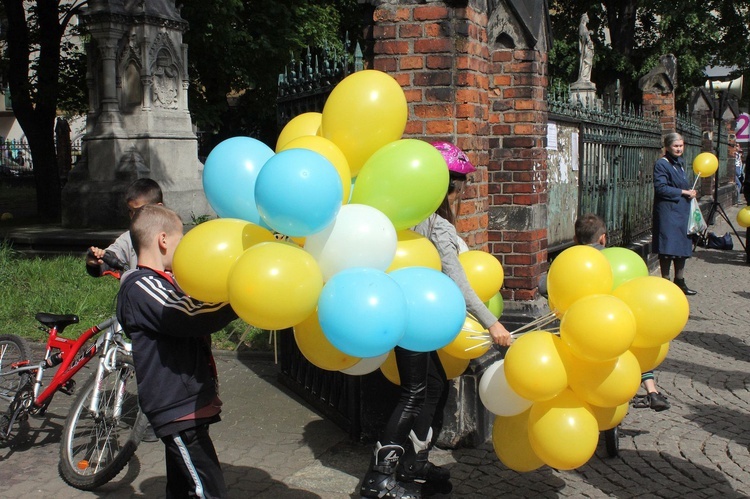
point(671, 208)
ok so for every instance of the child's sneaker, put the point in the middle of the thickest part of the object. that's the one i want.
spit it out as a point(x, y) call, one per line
point(658, 401)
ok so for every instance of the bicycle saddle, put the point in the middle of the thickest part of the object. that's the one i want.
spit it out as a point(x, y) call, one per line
point(59, 320)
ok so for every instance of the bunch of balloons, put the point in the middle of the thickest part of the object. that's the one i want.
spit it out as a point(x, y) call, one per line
point(553, 394)
point(316, 235)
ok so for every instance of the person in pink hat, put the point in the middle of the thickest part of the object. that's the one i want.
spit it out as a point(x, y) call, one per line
point(400, 466)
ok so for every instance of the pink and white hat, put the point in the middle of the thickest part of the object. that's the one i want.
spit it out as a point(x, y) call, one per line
point(457, 160)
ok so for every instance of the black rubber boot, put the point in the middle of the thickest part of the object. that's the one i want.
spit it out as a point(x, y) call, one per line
point(379, 481)
point(416, 467)
point(681, 284)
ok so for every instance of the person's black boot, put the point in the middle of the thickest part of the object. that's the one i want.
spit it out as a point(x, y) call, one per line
point(416, 467)
point(379, 480)
point(681, 284)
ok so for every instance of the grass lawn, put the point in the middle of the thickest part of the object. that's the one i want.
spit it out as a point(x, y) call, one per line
point(61, 285)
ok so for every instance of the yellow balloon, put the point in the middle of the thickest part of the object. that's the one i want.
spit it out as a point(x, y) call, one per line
point(484, 272)
point(453, 366)
point(205, 255)
point(317, 349)
point(510, 438)
point(300, 126)
point(389, 368)
point(328, 150)
point(660, 308)
point(577, 272)
point(414, 250)
point(606, 384)
point(650, 357)
point(468, 344)
point(705, 164)
point(609, 417)
point(598, 328)
point(534, 367)
point(275, 285)
point(364, 112)
point(743, 217)
point(563, 431)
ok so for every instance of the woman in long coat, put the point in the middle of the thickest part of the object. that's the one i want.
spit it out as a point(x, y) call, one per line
point(672, 195)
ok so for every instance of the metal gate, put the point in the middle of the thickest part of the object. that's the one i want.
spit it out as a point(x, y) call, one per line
point(304, 87)
point(618, 148)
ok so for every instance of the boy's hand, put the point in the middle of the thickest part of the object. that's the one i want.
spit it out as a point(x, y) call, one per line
point(94, 256)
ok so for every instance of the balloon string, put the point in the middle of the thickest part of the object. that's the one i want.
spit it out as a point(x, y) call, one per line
point(480, 345)
point(696, 181)
point(535, 324)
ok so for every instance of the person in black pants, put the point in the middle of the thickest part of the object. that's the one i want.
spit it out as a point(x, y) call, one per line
point(174, 366)
point(400, 463)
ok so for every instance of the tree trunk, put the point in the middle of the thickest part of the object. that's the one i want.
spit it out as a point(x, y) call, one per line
point(35, 107)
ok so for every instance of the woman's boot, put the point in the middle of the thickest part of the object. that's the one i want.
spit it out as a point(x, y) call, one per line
point(379, 480)
point(416, 467)
point(681, 284)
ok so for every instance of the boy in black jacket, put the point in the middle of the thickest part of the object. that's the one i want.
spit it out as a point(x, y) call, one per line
point(175, 370)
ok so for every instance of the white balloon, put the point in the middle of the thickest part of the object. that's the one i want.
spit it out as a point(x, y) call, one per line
point(366, 365)
point(497, 396)
point(360, 236)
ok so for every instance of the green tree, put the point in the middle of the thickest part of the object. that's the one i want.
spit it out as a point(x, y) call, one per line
point(239, 47)
point(699, 33)
point(34, 37)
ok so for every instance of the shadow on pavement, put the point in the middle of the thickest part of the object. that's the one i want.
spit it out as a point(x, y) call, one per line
point(718, 343)
point(242, 482)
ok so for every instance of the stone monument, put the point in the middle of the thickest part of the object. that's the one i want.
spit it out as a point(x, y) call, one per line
point(138, 124)
point(583, 90)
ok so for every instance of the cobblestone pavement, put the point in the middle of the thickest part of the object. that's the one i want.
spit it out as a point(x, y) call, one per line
point(273, 446)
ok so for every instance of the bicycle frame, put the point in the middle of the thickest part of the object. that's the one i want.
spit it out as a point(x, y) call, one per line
point(71, 361)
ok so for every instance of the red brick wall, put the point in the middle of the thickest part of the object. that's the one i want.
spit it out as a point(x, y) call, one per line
point(489, 103)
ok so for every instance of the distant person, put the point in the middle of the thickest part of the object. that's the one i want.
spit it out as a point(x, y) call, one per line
point(672, 196)
point(140, 193)
point(746, 193)
point(174, 366)
point(739, 174)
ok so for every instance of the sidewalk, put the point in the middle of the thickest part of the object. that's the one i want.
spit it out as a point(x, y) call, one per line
point(272, 445)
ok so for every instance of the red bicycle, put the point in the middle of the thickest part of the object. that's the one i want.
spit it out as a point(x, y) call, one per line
point(105, 424)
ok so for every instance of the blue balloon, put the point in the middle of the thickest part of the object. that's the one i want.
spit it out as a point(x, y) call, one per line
point(298, 192)
point(362, 311)
point(437, 308)
point(229, 177)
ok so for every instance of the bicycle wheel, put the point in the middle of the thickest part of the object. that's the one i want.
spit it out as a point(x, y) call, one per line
point(12, 349)
point(96, 447)
point(612, 441)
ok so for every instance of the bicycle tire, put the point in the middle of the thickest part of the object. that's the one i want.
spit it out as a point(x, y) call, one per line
point(612, 441)
point(12, 349)
point(93, 450)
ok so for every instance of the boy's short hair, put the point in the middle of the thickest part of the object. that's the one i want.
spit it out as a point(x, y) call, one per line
point(144, 189)
point(150, 221)
point(589, 228)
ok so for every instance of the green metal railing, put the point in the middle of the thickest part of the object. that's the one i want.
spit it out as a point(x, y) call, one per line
point(618, 148)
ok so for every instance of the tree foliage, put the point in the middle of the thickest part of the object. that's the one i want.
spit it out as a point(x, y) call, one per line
point(239, 47)
point(631, 35)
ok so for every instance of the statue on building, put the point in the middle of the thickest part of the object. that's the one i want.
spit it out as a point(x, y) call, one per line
point(586, 48)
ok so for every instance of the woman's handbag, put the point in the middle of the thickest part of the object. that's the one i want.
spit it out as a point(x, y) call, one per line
point(696, 222)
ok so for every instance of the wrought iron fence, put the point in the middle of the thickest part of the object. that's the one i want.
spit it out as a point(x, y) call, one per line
point(304, 87)
point(15, 159)
point(618, 148)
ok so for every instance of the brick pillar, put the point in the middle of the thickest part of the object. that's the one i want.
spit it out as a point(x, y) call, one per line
point(661, 105)
point(517, 168)
point(439, 56)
